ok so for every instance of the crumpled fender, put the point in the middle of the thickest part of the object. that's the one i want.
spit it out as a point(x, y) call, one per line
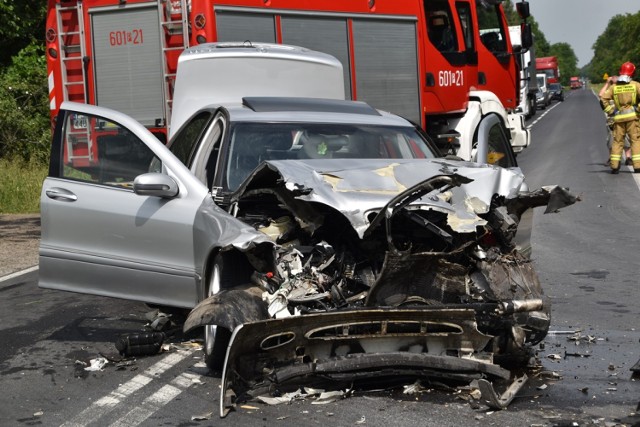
point(229, 308)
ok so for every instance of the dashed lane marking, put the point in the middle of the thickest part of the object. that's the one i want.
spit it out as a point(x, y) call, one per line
point(108, 403)
point(156, 401)
point(543, 114)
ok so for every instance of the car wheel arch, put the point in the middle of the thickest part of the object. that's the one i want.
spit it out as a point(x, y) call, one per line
point(221, 274)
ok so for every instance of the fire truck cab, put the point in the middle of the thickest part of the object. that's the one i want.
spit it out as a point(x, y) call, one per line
point(423, 60)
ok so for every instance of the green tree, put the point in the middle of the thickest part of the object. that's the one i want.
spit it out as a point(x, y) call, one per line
point(616, 45)
point(21, 23)
point(24, 97)
point(567, 61)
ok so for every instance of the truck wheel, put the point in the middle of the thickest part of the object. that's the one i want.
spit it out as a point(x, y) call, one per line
point(216, 338)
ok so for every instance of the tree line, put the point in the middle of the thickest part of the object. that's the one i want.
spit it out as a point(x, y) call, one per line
point(24, 96)
point(619, 43)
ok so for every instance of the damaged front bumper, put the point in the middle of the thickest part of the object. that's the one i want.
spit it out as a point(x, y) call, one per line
point(357, 346)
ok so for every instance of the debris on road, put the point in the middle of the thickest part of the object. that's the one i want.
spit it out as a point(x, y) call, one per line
point(202, 417)
point(491, 398)
point(140, 344)
point(97, 364)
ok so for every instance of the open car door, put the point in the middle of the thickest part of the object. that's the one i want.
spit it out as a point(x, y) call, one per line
point(118, 212)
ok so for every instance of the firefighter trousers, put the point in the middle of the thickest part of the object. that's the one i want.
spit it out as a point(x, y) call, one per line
point(620, 130)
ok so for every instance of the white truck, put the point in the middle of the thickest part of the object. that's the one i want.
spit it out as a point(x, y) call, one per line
point(528, 81)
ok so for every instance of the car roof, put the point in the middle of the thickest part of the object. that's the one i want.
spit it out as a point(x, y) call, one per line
point(312, 110)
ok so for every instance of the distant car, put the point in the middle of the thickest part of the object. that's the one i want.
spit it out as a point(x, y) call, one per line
point(557, 92)
point(543, 98)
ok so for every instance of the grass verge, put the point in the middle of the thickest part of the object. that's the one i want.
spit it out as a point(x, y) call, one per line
point(20, 185)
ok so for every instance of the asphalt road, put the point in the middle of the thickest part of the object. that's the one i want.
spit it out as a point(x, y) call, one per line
point(586, 256)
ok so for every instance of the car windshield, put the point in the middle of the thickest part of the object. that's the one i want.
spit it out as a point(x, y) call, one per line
point(555, 86)
point(253, 143)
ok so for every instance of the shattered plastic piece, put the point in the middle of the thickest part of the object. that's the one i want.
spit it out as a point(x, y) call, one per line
point(38, 414)
point(269, 400)
point(494, 401)
point(542, 387)
point(329, 397)
point(550, 375)
point(249, 407)
point(554, 356)
point(415, 388)
point(97, 364)
point(362, 420)
point(123, 364)
point(202, 417)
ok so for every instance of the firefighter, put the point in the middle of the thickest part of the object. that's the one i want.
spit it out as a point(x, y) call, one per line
point(621, 101)
point(627, 148)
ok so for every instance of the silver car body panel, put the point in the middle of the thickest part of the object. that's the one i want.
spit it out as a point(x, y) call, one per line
point(110, 241)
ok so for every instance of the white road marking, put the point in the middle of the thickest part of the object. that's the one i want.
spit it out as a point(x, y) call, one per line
point(156, 401)
point(106, 404)
point(18, 274)
point(543, 114)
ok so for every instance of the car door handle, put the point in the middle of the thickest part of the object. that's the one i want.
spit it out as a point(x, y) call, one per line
point(61, 194)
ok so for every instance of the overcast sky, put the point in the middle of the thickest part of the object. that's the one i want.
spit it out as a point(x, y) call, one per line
point(578, 22)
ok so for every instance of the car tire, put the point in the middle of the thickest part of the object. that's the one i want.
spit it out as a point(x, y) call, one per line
point(216, 338)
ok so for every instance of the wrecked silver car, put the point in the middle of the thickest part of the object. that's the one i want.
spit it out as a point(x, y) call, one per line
point(315, 241)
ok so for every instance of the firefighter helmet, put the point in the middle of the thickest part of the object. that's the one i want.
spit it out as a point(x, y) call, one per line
point(627, 69)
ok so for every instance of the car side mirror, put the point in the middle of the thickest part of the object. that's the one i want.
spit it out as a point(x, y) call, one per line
point(155, 184)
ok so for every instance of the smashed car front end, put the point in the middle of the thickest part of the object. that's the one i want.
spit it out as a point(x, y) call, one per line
point(381, 271)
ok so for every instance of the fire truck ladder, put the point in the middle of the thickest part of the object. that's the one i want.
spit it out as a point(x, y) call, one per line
point(170, 26)
point(73, 52)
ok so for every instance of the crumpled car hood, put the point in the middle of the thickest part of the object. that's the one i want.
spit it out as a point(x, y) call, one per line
point(359, 187)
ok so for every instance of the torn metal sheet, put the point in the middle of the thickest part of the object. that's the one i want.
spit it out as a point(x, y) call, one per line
point(495, 401)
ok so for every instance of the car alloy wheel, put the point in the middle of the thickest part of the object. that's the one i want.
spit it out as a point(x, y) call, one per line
point(215, 338)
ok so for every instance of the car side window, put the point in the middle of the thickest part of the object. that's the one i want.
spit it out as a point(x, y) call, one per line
point(492, 32)
point(103, 152)
point(184, 144)
point(499, 149)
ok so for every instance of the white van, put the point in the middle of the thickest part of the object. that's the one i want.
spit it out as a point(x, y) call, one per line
point(543, 98)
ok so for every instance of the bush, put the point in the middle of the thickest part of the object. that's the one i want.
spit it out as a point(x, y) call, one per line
point(25, 132)
point(20, 186)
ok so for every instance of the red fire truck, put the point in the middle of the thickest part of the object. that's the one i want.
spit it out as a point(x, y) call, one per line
point(424, 60)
